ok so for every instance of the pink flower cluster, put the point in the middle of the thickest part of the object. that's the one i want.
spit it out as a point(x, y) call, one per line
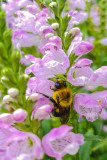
point(17, 145)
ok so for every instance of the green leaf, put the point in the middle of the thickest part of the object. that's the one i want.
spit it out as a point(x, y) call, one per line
point(94, 138)
point(46, 126)
point(103, 157)
point(84, 152)
point(100, 145)
point(51, 20)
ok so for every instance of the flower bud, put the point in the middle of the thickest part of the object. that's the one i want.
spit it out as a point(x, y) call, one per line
point(52, 4)
point(13, 92)
point(7, 99)
point(6, 118)
point(6, 82)
point(34, 97)
point(55, 26)
point(74, 31)
point(48, 35)
point(19, 115)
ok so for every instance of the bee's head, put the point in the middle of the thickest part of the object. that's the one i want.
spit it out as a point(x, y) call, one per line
point(60, 84)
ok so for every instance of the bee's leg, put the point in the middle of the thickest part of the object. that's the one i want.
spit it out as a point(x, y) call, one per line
point(52, 88)
point(53, 101)
point(58, 101)
point(50, 98)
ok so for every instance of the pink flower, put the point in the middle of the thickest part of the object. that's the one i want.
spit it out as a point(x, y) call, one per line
point(103, 41)
point(86, 106)
point(103, 114)
point(94, 14)
point(80, 72)
point(61, 141)
point(39, 85)
point(17, 145)
point(54, 62)
point(99, 78)
point(23, 39)
point(25, 21)
point(101, 97)
point(6, 118)
point(42, 109)
point(19, 115)
point(79, 47)
point(80, 4)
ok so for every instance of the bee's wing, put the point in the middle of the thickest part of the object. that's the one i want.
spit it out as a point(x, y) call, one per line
point(64, 114)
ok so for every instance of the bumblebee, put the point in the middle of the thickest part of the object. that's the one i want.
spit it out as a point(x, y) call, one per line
point(62, 100)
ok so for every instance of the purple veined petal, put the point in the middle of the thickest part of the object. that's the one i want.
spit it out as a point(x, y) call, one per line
point(101, 97)
point(52, 47)
point(20, 144)
point(60, 141)
point(80, 72)
point(86, 106)
point(22, 39)
point(24, 20)
point(51, 64)
point(34, 9)
point(56, 40)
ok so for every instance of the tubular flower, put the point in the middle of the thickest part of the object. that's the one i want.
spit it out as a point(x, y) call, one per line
point(54, 62)
point(42, 109)
point(79, 47)
point(99, 78)
point(18, 145)
point(80, 72)
point(86, 106)
point(61, 141)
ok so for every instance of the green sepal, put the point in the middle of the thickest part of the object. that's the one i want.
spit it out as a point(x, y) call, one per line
point(6, 82)
point(7, 72)
point(23, 83)
point(51, 20)
point(15, 59)
point(65, 20)
point(68, 40)
point(3, 52)
point(7, 35)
